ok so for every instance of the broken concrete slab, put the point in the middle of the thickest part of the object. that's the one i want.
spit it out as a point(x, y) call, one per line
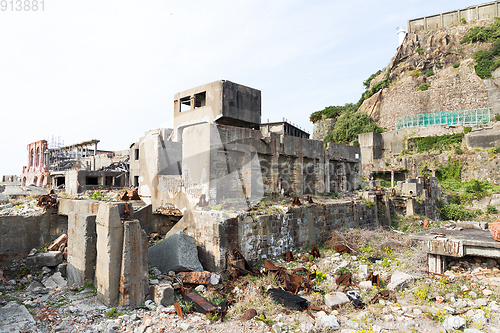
point(399, 280)
point(49, 259)
point(82, 248)
point(15, 318)
point(109, 230)
point(176, 253)
point(134, 271)
point(54, 281)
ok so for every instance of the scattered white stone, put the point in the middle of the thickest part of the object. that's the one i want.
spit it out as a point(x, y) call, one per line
point(201, 289)
point(363, 269)
point(487, 292)
point(352, 324)
point(276, 328)
point(481, 302)
point(399, 280)
point(454, 323)
point(335, 298)
point(365, 284)
point(472, 330)
point(330, 322)
point(472, 294)
point(320, 314)
point(494, 306)
point(417, 311)
point(184, 326)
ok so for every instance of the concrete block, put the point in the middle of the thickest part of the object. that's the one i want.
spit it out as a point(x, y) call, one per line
point(164, 294)
point(134, 274)
point(109, 230)
point(335, 299)
point(176, 253)
point(399, 280)
point(49, 259)
point(82, 251)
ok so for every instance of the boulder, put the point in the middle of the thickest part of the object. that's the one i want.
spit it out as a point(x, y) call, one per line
point(4, 198)
point(176, 253)
point(399, 280)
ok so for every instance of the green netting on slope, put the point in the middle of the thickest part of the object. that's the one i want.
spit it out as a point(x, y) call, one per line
point(458, 117)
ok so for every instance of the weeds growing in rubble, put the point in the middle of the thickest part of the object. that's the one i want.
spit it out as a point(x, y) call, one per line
point(113, 313)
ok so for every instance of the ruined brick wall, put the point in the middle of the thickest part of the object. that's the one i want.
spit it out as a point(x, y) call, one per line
point(322, 127)
point(36, 172)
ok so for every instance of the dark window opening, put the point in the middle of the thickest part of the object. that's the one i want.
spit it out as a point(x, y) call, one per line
point(92, 181)
point(136, 156)
point(200, 99)
point(60, 181)
point(185, 103)
point(136, 181)
point(109, 180)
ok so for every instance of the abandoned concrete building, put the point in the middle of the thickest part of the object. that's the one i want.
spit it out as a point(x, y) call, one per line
point(77, 167)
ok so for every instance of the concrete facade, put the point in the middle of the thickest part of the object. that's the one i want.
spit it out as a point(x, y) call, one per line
point(78, 181)
point(221, 102)
point(283, 128)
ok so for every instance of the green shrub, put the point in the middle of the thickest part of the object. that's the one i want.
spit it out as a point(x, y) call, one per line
point(419, 50)
point(467, 129)
point(367, 82)
point(349, 125)
point(376, 88)
point(456, 65)
point(497, 116)
point(463, 20)
point(424, 86)
point(455, 212)
point(416, 73)
point(430, 72)
point(441, 142)
point(490, 209)
point(483, 34)
point(329, 112)
point(486, 61)
point(451, 171)
point(458, 150)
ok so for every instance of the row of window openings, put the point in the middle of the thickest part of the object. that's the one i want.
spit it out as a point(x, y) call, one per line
point(199, 100)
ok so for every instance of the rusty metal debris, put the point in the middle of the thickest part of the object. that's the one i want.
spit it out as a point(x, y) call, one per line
point(309, 199)
point(178, 309)
point(205, 278)
point(344, 280)
point(315, 251)
point(238, 265)
point(168, 210)
point(288, 256)
point(383, 294)
point(124, 196)
point(49, 200)
point(291, 282)
point(374, 278)
point(59, 244)
point(296, 201)
point(342, 249)
point(201, 305)
point(288, 299)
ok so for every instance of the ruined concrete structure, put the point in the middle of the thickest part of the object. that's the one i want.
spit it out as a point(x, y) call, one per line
point(478, 12)
point(220, 161)
point(78, 167)
point(36, 172)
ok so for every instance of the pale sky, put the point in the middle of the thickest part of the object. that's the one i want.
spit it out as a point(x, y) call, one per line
point(85, 69)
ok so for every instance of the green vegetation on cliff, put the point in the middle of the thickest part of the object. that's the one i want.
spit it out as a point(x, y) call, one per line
point(486, 60)
point(350, 121)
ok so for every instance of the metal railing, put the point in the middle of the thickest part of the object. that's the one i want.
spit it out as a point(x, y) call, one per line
point(458, 117)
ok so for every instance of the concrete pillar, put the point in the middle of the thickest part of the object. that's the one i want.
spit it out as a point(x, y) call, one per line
point(82, 250)
point(109, 229)
point(410, 207)
point(436, 263)
point(134, 269)
point(392, 178)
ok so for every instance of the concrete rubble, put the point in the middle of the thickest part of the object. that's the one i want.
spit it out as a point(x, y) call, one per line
point(176, 253)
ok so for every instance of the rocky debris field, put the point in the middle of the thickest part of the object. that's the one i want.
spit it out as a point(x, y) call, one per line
point(362, 281)
point(27, 208)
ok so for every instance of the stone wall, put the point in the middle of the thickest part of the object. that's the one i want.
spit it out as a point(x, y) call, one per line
point(20, 234)
point(263, 236)
point(322, 127)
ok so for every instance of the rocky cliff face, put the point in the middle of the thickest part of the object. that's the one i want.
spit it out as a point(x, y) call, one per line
point(454, 85)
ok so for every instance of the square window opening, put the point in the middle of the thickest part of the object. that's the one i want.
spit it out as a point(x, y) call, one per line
point(185, 103)
point(200, 99)
point(136, 154)
point(92, 181)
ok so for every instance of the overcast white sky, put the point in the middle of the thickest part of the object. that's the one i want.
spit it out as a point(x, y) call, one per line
point(84, 69)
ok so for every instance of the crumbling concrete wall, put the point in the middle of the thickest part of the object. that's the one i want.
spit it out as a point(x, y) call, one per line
point(261, 236)
point(322, 127)
point(20, 234)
